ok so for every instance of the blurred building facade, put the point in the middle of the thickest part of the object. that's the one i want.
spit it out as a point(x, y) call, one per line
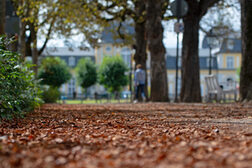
point(224, 63)
point(229, 59)
point(229, 63)
point(204, 69)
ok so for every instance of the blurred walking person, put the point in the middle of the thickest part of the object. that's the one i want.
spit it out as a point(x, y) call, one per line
point(139, 80)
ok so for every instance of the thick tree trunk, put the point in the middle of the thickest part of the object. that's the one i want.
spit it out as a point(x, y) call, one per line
point(2, 16)
point(246, 70)
point(159, 87)
point(140, 56)
point(190, 90)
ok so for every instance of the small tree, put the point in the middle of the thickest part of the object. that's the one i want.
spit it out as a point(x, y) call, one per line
point(54, 72)
point(112, 74)
point(86, 73)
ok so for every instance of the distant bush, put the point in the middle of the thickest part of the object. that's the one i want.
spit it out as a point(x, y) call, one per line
point(53, 72)
point(86, 73)
point(112, 74)
point(50, 94)
point(18, 88)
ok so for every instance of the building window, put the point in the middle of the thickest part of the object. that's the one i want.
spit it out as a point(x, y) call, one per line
point(118, 50)
point(126, 55)
point(230, 62)
point(71, 61)
point(179, 62)
point(79, 90)
point(171, 91)
point(108, 49)
point(220, 61)
point(238, 62)
point(202, 78)
point(126, 59)
point(212, 62)
point(71, 87)
point(230, 44)
point(63, 88)
point(179, 84)
point(171, 77)
point(202, 89)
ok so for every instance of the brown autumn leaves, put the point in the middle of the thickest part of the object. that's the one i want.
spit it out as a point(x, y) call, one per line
point(151, 135)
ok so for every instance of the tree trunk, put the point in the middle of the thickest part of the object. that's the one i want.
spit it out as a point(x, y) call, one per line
point(34, 48)
point(49, 31)
point(246, 70)
point(21, 40)
point(21, 37)
point(190, 90)
point(159, 87)
point(140, 56)
point(2, 16)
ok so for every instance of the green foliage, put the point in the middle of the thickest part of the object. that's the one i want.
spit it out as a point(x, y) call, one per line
point(50, 94)
point(50, 17)
point(112, 73)
point(238, 72)
point(18, 88)
point(86, 73)
point(53, 72)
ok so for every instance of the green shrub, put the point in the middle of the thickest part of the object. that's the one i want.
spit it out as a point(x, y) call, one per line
point(112, 73)
point(53, 72)
point(86, 73)
point(50, 94)
point(18, 88)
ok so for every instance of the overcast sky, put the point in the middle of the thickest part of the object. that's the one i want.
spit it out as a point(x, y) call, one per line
point(170, 39)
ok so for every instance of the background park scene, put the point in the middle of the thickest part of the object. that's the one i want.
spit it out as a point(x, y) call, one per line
point(67, 85)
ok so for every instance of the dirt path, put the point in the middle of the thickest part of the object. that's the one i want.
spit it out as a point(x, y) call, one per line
point(152, 135)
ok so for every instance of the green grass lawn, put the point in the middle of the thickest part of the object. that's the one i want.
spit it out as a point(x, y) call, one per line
point(92, 101)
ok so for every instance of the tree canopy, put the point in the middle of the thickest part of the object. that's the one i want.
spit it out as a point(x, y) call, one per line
point(86, 73)
point(54, 72)
point(112, 73)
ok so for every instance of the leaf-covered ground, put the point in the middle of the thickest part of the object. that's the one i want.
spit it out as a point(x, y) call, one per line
point(151, 135)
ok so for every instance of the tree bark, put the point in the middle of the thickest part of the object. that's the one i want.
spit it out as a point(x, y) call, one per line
point(34, 48)
point(48, 36)
point(159, 87)
point(2, 16)
point(22, 31)
point(246, 70)
point(190, 90)
point(140, 56)
point(21, 40)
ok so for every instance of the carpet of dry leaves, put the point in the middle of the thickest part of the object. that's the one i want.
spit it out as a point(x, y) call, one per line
point(150, 135)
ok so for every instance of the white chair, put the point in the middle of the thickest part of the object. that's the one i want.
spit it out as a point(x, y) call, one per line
point(214, 90)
